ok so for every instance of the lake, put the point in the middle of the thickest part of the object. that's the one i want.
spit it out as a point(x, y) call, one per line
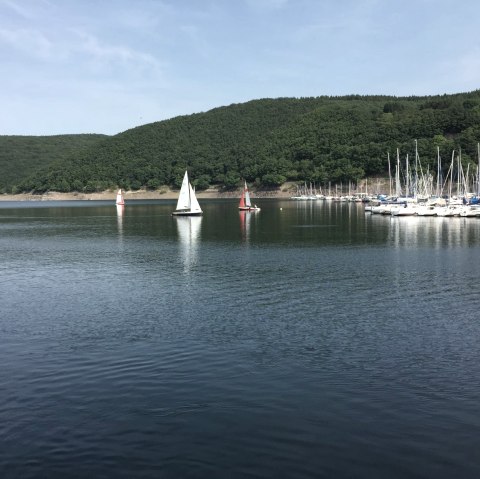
point(306, 340)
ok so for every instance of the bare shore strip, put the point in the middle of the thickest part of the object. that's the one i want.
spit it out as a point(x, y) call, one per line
point(377, 185)
point(161, 194)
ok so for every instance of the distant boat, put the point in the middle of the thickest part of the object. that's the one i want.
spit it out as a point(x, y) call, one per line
point(245, 202)
point(120, 201)
point(187, 204)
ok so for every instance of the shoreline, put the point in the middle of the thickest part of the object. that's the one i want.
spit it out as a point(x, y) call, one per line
point(162, 194)
point(165, 193)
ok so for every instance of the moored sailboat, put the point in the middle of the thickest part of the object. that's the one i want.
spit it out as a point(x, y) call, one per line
point(245, 201)
point(187, 204)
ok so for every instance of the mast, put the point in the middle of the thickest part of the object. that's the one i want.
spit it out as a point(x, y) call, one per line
point(407, 180)
point(478, 169)
point(438, 172)
point(416, 168)
point(451, 176)
point(465, 180)
point(389, 175)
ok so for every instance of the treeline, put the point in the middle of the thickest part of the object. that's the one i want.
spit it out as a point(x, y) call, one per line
point(270, 141)
point(22, 156)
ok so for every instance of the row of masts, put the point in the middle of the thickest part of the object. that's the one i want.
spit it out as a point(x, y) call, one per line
point(311, 192)
point(419, 184)
point(410, 180)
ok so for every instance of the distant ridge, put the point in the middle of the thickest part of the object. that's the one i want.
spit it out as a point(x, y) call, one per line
point(21, 156)
point(266, 142)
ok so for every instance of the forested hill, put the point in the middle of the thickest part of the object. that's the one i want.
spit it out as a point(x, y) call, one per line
point(21, 156)
point(270, 141)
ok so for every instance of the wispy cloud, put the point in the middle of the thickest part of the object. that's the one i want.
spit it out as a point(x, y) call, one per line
point(266, 4)
point(98, 51)
point(33, 43)
point(128, 60)
point(18, 9)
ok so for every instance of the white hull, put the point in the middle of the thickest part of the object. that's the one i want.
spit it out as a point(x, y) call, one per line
point(249, 208)
point(403, 211)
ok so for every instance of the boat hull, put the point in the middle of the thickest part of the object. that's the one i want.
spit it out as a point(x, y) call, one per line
point(187, 213)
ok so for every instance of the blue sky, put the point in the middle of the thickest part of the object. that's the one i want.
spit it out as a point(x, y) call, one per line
point(104, 66)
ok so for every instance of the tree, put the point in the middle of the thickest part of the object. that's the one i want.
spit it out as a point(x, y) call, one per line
point(273, 179)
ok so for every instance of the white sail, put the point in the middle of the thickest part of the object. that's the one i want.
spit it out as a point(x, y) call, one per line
point(248, 202)
point(187, 203)
point(194, 205)
point(119, 200)
point(183, 202)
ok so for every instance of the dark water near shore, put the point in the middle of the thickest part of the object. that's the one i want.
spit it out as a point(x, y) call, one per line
point(305, 340)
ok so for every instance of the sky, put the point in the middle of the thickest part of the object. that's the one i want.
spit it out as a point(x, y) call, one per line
point(105, 66)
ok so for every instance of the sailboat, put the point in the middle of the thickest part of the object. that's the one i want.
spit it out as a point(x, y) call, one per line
point(120, 201)
point(245, 202)
point(187, 204)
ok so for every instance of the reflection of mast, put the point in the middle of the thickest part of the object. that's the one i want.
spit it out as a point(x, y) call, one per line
point(188, 228)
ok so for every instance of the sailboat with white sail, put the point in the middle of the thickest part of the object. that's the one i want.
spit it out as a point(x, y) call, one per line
point(187, 204)
point(120, 200)
point(245, 201)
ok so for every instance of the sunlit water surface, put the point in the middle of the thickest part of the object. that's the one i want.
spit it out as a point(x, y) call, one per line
point(304, 340)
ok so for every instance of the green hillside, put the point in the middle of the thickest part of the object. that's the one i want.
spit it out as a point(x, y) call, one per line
point(21, 156)
point(270, 141)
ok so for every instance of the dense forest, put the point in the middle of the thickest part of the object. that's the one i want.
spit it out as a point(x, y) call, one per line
point(22, 156)
point(266, 142)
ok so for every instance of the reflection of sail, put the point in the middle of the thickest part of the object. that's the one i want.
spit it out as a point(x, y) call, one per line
point(120, 211)
point(245, 219)
point(188, 228)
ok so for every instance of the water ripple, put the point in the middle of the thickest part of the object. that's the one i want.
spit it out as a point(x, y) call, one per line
point(293, 349)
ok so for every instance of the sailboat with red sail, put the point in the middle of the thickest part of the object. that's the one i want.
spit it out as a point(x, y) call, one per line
point(245, 201)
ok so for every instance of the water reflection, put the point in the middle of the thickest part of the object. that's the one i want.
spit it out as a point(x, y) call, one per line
point(438, 232)
point(245, 219)
point(305, 211)
point(369, 336)
point(120, 211)
point(188, 228)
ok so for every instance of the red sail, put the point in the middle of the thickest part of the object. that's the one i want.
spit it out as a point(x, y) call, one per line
point(242, 200)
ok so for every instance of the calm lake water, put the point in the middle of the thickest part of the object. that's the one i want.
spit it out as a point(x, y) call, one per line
point(306, 340)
